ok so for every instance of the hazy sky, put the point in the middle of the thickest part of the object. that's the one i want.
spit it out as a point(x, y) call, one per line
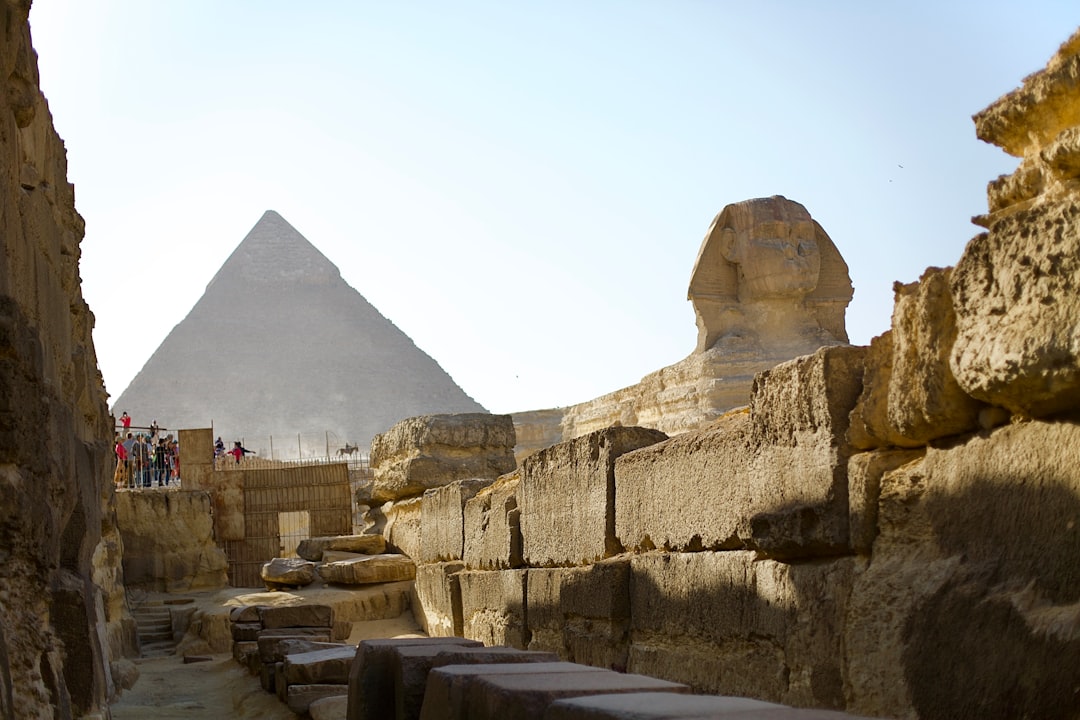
point(522, 187)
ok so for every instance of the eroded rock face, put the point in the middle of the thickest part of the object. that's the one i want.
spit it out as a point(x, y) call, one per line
point(55, 428)
point(1016, 287)
point(426, 452)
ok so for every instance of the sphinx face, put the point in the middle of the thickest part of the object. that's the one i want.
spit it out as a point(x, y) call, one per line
point(777, 259)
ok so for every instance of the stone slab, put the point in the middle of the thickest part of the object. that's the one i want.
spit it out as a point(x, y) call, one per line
point(270, 641)
point(567, 497)
point(526, 696)
point(287, 572)
point(313, 548)
point(300, 697)
point(242, 632)
point(369, 569)
point(329, 708)
point(411, 666)
point(449, 686)
point(402, 529)
point(371, 677)
point(672, 706)
point(320, 667)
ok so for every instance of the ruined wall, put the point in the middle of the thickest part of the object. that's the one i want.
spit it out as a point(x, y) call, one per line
point(892, 530)
point(55, 429)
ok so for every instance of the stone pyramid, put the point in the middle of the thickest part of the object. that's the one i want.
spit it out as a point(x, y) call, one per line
point(280, 345)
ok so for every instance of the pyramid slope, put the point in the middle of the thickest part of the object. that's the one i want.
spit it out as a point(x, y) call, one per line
point(280, 344)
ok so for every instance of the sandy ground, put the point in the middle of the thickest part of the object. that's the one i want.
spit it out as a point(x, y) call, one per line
point(221, 689)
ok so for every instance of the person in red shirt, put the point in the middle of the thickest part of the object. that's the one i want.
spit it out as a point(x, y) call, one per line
point(125, 420)
point(238, 451)
point(120, 476)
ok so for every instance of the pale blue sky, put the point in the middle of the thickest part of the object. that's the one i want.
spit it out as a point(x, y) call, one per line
point(522, 187)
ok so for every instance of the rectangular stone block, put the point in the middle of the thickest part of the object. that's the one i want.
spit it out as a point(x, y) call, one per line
point(582, 614)
point(269, 642)
point(731, 624)
point(241, 650)
point(242, 632)
point(411, 666)
point(369, 569)
point(567, 497)
point(371, 677)
point(493, 526)
point(320, 667)
point(672, 706)
point(442, 525)
point(300, 697)
point(421, 453)
point(493, 607)
point(526, 696)
point(296, 616)
point(864, 488)
point(438, 599)
point(315, 549)
point(402, 529)
point(447, 696)
point(774, 480)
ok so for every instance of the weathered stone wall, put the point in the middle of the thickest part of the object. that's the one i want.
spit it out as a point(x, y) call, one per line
point(56, 459)
point(892, 530)
point(169, 541)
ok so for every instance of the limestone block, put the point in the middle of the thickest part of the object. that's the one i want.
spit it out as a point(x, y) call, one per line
point(915, 386)
point(369, 569)
point(313, 548)
point(169, 541)
point(774, 480)
point(288, 572)
point(729, 624)
point(319, 667)
point(411, 666)
point(245, 614)
point(403, 526)
point(438, 594)
point(449, 687)
point(566, 497)
point(490, 656)
point(241, 651)
point(493, 607)
point(373, 602)
point(1016, 291)
point(371, 677)
point(671, 706)
point(582, 614)
point(300, 697)
point(968, 607)
point(869, 425)
point(296, 616)
point(329, 708)
point(271, 642)
point(493, 526)
point(242, 632)
point(442, 519)
point(295, 647)
point(864, 488)
point(421, 453)
point(526, 696)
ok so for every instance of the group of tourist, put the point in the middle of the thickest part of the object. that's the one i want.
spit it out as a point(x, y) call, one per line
point(238, 451)
point(145, 458)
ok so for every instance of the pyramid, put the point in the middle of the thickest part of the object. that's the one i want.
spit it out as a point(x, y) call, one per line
point(281, 350)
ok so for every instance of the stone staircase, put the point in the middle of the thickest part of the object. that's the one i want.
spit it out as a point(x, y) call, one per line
point(154, 622)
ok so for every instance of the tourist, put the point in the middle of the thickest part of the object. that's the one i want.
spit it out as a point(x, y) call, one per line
point(125, 421)
point(161, 463)
point(120, 476)
point(129, 444)
point(240, 451)
point(154, 430)
point(219, 449)
point(140, 456)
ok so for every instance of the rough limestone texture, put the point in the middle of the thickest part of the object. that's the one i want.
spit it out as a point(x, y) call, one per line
point(425, 452)
point(402, 531)
point(369, 569)
point(969, 605)
point(728, 624)
point(773, 479)
point(582, 614)
point(910, 396)
point(865, 471)
point(288, 572)
point(313, 548)
point(493, 607)
point(438, 599)
point(1016, 286)
point(493, 526)
point(56, 459)
point(768, 285)
point(326, 666)
point(566, 496)
point(169, 541)
point(442, 519)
